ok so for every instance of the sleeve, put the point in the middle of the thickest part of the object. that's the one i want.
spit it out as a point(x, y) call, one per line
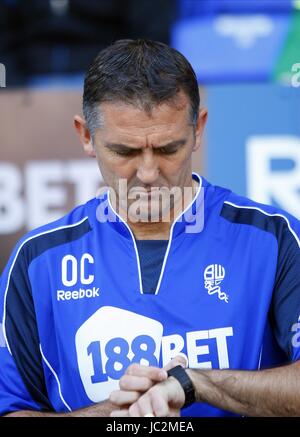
point(22, 384)
point(285, 307)
point(14, 395)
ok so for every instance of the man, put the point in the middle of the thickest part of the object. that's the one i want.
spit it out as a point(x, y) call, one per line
point(161, 265)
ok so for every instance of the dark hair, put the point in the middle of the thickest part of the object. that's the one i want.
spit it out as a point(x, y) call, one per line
point(141, 72)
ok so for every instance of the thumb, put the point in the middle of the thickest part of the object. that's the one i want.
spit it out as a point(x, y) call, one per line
point(179, 360)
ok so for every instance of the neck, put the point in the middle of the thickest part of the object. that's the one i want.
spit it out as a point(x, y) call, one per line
point(151, 231)
point(160, 230)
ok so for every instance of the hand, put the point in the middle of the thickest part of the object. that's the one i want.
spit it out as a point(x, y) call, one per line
point(162, 400)
point(137, 380)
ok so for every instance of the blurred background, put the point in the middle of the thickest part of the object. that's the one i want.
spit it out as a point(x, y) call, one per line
point(246, 54)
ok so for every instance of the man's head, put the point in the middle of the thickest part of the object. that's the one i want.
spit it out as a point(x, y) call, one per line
point(142, 73)
point(142, 121)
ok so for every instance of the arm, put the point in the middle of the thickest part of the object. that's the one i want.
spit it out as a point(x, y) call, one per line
point(272, 392)
point(147, 377)
point(103, 409)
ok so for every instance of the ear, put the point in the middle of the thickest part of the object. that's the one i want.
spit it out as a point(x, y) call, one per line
point(84, 136)
point(200, 125)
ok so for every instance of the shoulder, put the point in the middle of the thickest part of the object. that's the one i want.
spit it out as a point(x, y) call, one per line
point(68, 228)
point(244, 211)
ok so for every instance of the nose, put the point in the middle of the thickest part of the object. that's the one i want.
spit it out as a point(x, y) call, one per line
point(147, 170)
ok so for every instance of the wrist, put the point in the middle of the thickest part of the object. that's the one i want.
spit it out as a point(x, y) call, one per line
point(176, 392)
point(187, 389)
point(201, 379)
point(192, 375)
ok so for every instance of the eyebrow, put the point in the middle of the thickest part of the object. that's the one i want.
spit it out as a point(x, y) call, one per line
point(119, 146)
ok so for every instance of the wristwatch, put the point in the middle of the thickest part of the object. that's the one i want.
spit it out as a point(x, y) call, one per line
point(185, 381)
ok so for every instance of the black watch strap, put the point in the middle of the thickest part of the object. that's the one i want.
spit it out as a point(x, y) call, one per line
point(185, 381)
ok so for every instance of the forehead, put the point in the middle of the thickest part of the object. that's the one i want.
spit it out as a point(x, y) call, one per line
point(129, 121)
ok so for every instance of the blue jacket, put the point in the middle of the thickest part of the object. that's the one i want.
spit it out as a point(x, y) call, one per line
point(75, 316)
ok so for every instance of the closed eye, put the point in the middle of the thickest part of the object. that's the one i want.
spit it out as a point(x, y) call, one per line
point(171, 148)
point(166, 150)
point(126, 153)
point(133, 152)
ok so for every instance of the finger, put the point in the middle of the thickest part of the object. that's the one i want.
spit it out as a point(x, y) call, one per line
point(134, 410)
point(121, 397)
point(179, 360)
point(145, 405)
point(174, 412)
point(119, 413)
point(135, 383)
point(159, 404)
point(154, 373)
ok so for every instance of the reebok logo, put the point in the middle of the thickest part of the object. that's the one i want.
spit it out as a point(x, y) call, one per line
point(77, 294)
